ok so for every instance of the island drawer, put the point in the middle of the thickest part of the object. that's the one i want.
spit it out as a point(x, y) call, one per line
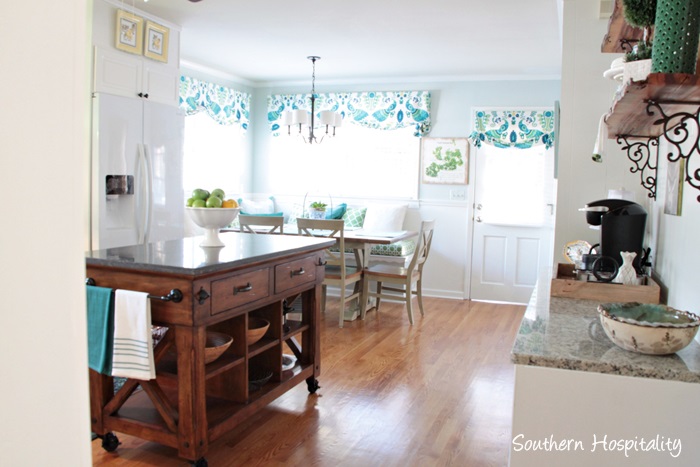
point(240, 289)
point(294, 273)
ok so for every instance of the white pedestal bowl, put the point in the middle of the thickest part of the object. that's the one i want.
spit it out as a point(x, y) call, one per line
point(212, 220)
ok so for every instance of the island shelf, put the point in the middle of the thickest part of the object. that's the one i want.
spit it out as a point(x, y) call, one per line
point(190, 404)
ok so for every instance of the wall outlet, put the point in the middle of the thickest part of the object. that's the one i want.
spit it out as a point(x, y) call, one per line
point(458, 195)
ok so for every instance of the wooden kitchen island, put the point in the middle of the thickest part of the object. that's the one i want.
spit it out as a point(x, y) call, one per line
point(195, 289)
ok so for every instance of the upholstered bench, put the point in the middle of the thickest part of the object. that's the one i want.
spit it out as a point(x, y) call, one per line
point(377, 217)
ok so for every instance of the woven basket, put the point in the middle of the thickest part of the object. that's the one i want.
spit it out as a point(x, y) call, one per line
point(216, 345)
point(257, 327)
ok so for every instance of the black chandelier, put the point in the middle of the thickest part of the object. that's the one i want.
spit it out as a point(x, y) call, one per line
point(306, 121)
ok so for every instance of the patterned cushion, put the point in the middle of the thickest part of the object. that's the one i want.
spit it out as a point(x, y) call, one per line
point(354, 217)
point(400, 248)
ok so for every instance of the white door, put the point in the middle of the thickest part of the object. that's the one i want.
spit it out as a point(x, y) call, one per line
point(513, 222)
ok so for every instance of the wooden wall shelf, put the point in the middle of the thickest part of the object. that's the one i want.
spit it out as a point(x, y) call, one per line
point(621, 36)
point(628, 115)
point(665, 104)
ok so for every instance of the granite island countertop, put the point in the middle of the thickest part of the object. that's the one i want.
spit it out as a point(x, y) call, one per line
point(566, 333)
point(186, 256)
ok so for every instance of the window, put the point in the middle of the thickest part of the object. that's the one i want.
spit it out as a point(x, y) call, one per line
point(515, 183)
point(212, 155)
point(358, 162)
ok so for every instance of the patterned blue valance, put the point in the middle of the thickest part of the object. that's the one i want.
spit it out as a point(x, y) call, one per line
point(383, 110)
point(513, 128)
point(225, 105)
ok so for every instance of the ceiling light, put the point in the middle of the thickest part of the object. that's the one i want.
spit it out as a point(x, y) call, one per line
point(306, 121)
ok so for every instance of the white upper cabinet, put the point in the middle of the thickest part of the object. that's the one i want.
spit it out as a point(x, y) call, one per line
point(127, 75)
point(132, 74)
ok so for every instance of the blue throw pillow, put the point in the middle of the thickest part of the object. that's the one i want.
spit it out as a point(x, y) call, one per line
point(338, 212)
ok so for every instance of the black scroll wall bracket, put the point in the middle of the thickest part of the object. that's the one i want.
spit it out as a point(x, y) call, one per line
point(681, 130)
point(643, 151)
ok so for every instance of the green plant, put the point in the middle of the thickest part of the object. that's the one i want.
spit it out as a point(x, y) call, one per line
point(318, 205)
point(640, 14)
point(641, 51)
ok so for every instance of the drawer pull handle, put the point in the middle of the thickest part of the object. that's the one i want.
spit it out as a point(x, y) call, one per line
point(202, 295)
point(246, 288)
point(297, 273)
point(322, 262)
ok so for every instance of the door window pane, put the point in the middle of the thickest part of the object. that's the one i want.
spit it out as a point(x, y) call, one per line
point(513, 184)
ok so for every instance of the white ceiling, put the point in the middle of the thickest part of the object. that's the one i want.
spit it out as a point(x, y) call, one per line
point(266, 42)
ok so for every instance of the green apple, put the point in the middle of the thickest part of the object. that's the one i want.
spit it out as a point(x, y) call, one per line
point(219, 193)
point(199, 203)
point(214, 202)
point(199, 193)
point(189, 202)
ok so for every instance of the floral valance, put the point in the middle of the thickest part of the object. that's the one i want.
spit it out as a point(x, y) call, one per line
point(382, 110)
point(225, 105)
point(513, 128)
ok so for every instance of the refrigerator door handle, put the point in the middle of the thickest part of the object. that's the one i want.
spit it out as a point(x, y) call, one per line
point(144, 182)
point(149, 194)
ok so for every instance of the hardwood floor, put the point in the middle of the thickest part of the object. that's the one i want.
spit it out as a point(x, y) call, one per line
point(434, 394)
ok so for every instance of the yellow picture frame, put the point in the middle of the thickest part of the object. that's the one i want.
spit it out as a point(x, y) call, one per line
point(156, 41)
point(129, 32)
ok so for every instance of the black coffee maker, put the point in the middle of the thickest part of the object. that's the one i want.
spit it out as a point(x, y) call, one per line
point(622, 226)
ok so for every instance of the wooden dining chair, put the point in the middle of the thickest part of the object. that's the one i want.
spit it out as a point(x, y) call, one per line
point(403, 279)
point(337, 272)
point(271, 224)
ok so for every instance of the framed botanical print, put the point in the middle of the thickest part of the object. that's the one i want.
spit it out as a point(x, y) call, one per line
point(157, 37)
point(445, 160)
point(129, 32)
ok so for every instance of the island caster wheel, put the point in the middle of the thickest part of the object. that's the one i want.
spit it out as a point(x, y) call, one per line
point(201, 462)
point(110, 442)
point(312, 383)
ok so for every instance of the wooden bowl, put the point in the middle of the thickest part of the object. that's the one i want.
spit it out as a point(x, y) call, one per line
point(216, 345)
point(257, 327)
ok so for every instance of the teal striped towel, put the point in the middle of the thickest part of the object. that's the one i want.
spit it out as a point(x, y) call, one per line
point(133, 341)
point(100, 320)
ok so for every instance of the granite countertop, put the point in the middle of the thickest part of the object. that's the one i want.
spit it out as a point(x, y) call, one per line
point(566, 333)
point(185, 256)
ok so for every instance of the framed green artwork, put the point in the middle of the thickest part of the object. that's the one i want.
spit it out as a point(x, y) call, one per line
point(445, 160)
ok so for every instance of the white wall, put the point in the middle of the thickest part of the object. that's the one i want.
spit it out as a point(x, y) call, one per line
point(452, 104)
point(677, 244)
point(44, 413)
point(585, 97)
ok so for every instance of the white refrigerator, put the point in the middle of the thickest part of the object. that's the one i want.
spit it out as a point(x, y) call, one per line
point(136, 174)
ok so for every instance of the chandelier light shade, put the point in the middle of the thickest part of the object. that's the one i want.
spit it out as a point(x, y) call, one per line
point(305, 122)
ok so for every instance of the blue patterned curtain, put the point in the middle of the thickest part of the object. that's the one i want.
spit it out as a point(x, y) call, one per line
point(384, 110)
point(225, 105)
point(513, 128)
